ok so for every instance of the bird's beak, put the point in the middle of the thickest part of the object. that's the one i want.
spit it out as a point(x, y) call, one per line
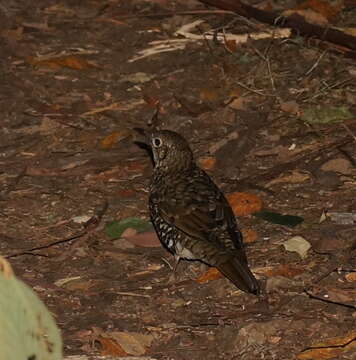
point(142, 136)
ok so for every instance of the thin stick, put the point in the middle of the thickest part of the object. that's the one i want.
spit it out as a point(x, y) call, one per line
point(316, 63)
point(178, 13)
point(89, 226)
point(131, 294)
point(329, 301)
point(349, 131)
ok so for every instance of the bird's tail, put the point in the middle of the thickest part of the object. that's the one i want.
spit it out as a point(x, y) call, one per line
point(240, 275)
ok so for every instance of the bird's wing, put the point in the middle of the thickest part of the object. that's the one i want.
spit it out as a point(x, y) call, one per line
point(202, 212)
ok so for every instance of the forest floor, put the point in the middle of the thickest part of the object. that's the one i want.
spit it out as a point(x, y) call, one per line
point(274, 117)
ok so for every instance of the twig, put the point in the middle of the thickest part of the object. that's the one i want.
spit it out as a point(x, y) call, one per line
point(253, 90)
point(42, 247)
point(89, 226)
point(131, 294)
point(326, 87)
point(349, 131)
point(316, 63)
point(312, 296)
point(178, 13)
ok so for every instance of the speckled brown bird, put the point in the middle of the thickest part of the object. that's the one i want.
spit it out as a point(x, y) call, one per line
point(190, 214)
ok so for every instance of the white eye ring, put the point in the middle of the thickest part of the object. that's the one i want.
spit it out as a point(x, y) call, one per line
point(156, 142)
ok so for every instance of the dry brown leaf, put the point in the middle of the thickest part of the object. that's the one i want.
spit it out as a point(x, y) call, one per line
point(132, 343)
point(291, 107)
point(324, 8)
point(211, 274)
point(351, 277)
point(293, 178)
point(239, 103)
point(329, 348)
point(231, 45)
point(249, 235)
point(244, 203)
point(340, 165)
point(209, 94)
point(109, 347)
point(207, 162)
point(285, 270)
point(110, 140)
point(341, 295)
point(72, 62)
point(145, 239)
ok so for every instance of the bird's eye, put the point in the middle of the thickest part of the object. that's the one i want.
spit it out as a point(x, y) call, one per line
point(157, 142)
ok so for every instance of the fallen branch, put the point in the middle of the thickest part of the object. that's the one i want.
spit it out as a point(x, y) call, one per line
point(296, 22)
point(292, 164)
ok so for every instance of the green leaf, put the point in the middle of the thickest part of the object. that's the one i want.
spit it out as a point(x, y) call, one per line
point(326, 114)
point(115, 229)
point(27, 329)
point(276, 218)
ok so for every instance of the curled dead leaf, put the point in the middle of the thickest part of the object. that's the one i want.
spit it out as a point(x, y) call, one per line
point(110, 347)
point(72, 62)
point(211, 274)
point(351, 277)
point(244, 203)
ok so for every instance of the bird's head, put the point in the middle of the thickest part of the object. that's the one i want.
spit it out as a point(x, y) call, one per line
point(171, 152)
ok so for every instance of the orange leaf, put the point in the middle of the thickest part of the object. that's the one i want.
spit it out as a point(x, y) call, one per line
point(207, 162)
point(351, 277)
point(249, 235)
point(72, 62)
point(231, 45)
point(211, 274)
point(110, 347)
point(244, 203)
point(209, 94)
point(109, 141)
point(286, 270)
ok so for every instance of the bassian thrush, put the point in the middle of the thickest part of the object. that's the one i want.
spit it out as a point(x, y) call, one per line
point(190, 214)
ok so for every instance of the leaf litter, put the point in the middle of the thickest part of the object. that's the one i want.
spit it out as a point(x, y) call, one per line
point(130, 290)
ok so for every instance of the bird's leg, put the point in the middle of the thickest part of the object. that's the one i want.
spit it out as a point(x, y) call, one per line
point(176, 263)
point(173, 276)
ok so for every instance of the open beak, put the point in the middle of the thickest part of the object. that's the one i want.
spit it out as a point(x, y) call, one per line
point(142, 136)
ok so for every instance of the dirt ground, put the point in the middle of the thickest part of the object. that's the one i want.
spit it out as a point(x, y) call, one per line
point(73, 86)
